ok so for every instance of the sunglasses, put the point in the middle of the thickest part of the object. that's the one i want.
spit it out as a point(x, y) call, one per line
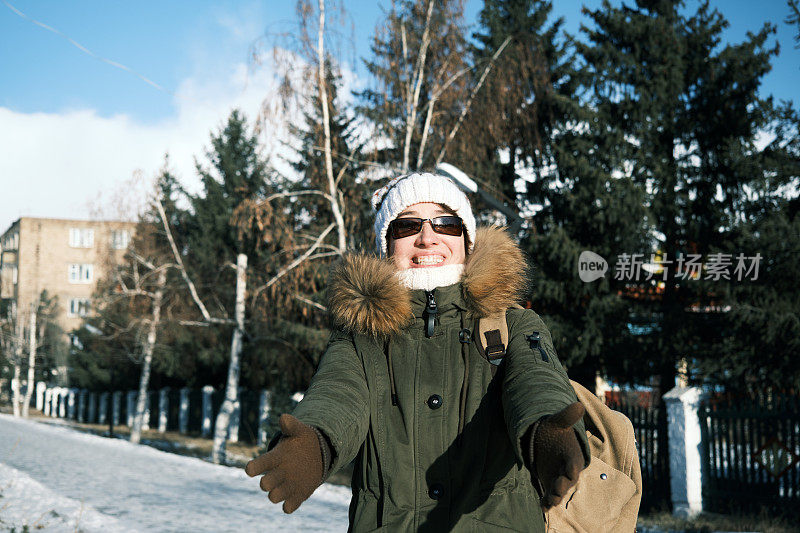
point(405, 227)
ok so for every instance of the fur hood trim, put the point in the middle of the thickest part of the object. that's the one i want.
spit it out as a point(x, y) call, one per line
point(365, 296)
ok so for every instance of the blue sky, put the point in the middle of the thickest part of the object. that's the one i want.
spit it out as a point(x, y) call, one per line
point(59, 106)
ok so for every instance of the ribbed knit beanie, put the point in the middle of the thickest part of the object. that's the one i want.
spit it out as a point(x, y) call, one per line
point(409, 189)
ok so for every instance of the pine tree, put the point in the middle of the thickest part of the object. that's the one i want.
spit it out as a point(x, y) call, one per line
point(532, 111)
point(529, 95)
point(759, 337)
point(685, 114)
point(214, 232)
point(794, 19)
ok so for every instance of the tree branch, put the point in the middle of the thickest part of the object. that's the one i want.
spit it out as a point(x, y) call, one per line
point(412, 102)
point(326, 126)
point(294, 263)
point(178, 260)
point(296, 193)
point(474, 92)
point(142, 260)
point(309, 302)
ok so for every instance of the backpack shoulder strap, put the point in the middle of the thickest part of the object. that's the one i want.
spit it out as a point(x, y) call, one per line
point(492, 336)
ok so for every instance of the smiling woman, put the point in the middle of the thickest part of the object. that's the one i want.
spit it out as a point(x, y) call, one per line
point(425, 236)
point(443, 438)
point(424, 221)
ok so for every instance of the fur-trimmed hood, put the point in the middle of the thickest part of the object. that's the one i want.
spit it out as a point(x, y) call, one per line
point(365, 296)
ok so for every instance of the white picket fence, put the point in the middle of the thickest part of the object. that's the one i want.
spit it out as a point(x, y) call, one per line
point(92, 407)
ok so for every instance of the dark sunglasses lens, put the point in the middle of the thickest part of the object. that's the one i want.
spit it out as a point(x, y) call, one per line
point(447, 225)
point(403, 227)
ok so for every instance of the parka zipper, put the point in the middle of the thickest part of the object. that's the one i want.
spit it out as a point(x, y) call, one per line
point(431, 311)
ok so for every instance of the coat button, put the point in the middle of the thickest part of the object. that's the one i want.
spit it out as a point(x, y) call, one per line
point(435, 401)
point(603, 476)
point(436, 491)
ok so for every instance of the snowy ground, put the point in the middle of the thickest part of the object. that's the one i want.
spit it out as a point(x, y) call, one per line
point(53, 478)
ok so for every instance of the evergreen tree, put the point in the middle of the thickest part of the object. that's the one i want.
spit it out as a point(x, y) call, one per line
point(214, 233)
point(794, 19)
point(758, 338)
point(529, 96)
point(685, 114)
point(237, 173)
point(533, 112)
point(237, 212)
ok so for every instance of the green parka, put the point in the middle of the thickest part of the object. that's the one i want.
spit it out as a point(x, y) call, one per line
point(447, 455)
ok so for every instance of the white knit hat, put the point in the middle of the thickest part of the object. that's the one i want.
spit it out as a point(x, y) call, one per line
point(409, 189)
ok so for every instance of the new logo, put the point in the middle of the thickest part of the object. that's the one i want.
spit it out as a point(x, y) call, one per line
point(591, 266)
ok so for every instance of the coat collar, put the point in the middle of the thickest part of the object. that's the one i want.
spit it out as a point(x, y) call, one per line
point(365, 296)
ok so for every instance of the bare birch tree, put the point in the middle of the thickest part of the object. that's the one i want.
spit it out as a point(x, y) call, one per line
point(222, 422)
point(156, 301)
point(333, 193)
point(18, 343)
point(130, 300)
point(12, 342)
point(423, 82)
point(139, 283)
point(32, 344)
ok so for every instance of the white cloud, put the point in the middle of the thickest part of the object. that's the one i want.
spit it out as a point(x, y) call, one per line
point(65, 164)
point(53, 164)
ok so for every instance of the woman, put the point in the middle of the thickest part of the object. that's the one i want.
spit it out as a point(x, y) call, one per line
point(443, 439)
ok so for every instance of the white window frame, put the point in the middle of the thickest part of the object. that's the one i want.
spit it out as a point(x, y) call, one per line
point(120, 239)
point(79, 307)
point(80, 273)
point(81, 237)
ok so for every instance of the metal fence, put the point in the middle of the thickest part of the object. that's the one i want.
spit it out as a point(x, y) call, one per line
point(650, 427)
point(751, 453)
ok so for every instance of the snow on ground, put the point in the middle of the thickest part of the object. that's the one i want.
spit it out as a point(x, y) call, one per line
point(54, 478)
point(24, 501)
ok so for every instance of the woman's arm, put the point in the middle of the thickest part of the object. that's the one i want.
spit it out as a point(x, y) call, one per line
point(336, 402)
point(534, 383)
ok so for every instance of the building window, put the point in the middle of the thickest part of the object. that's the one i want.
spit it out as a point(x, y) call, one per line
point(81, 237)
point(120, 239)
point(8, 280)
point(11, 242)
point(79, 307)
point(76, 342)
point(81, 273)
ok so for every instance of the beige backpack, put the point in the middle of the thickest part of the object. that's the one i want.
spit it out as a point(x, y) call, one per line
point(609, 491)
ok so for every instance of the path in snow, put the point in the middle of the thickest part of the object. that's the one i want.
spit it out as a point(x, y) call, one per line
point(59, 477)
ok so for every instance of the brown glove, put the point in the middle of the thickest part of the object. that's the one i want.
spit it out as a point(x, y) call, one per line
point(293, 468)
point(557, 455)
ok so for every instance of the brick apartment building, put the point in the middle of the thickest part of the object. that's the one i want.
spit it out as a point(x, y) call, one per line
point(64, 257)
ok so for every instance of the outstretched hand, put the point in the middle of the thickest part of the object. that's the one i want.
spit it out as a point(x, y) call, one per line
point(558, 455)
point(293, 468)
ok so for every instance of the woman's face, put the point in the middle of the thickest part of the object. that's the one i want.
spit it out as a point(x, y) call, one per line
point(426, 249)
